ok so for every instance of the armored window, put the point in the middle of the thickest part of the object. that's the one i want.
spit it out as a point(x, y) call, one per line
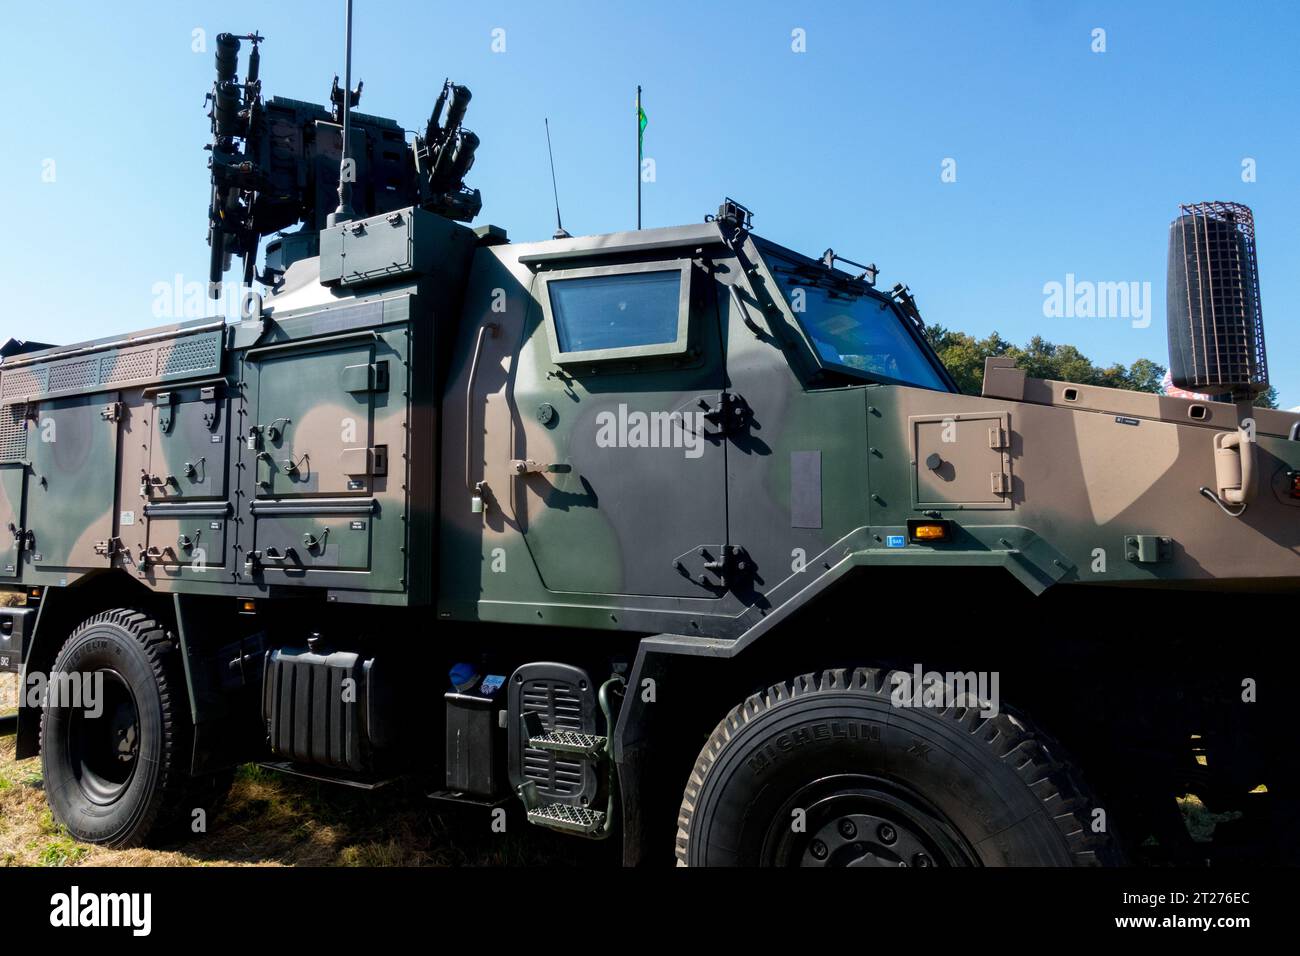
point(852, 328)
point(618, 312)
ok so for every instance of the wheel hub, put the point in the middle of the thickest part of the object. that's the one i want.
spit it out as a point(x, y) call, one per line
point(854, 820)
point(865, 839)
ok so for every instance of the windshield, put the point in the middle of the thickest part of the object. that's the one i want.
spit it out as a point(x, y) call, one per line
point(852, 330)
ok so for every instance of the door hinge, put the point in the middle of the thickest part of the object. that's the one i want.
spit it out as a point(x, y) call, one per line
point(111, 412)
point(998, 438)
point(1001, 482)
point(109, 547)
point(729, 414)
point(725, 567)
point(1148, 548)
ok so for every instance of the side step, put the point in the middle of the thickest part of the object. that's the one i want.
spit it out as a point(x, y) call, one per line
point(561, 816)
point(587, 746)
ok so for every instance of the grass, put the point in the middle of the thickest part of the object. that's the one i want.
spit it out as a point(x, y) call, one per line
point(276, 820)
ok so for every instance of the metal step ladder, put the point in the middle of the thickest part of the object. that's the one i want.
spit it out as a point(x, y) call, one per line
point(588, 748)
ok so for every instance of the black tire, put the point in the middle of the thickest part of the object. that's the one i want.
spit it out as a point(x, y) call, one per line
point(122, 776)
point(879, 784)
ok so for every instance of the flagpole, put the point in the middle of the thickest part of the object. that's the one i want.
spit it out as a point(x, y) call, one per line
point(638, 157)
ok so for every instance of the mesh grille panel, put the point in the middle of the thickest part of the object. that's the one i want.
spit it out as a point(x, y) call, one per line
point(18, 382)
point(127, 365)
point(188, 355)
point(13, 434)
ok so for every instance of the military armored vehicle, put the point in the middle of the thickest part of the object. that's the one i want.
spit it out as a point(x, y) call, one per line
point(675, 536)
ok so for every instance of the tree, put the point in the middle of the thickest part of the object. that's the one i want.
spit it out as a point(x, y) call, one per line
point(1266, 398)
point(964, 356)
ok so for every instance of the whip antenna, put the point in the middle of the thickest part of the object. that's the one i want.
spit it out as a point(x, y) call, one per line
point(344, 211)
point(560, 232)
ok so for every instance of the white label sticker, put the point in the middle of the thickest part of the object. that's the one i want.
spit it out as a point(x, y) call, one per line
point(126, 519)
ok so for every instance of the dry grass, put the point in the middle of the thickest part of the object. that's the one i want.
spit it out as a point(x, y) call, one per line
point(8, 693)
point(275, 820)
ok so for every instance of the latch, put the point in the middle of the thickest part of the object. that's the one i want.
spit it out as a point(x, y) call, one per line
point(211, 413)
point(163, 402)
point(292, 468)
point(365, 461)
point(111, 412)
point(312, 542)
point(272, 433)
point(109, 547)
point(149, 482)
point(372, 377)
point(729, 414)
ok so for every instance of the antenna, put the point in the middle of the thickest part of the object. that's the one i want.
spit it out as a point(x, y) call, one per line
point(344, 211)
point(560, 232)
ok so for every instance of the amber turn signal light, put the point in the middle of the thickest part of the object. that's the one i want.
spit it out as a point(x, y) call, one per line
point(931, 531)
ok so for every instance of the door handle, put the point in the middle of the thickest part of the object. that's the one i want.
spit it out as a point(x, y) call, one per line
point(478, 501)
point(521, 466)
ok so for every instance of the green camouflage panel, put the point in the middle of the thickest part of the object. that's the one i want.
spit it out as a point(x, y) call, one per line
point(1096, 486)
point(12, 478)
point(71, 490)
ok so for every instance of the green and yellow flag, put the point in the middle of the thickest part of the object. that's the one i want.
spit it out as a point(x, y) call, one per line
point(640, 125)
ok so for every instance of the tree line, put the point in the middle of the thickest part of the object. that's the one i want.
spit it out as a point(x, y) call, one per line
point(964, 356)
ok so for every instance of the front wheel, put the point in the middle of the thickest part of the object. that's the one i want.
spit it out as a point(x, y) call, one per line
point(115, 734)
point(827, 770)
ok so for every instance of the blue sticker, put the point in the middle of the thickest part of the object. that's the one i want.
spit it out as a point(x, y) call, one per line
point(491, 684)
point(895, 541)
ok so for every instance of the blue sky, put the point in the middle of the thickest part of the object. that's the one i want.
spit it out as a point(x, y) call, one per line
point(1068, 161)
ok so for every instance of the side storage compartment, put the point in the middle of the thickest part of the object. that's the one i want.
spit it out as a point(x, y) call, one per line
point(13, 482)
point(71, 491)
point(189, 534)
point(187, 443)
point(325, 497)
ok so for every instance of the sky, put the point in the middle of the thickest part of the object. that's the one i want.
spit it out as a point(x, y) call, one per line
point(978, 152)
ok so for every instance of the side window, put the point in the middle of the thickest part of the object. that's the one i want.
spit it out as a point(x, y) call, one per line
point(618, 312)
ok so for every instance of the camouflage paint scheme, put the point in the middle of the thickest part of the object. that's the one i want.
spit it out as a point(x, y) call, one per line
point(593, 543)
point(337, 442)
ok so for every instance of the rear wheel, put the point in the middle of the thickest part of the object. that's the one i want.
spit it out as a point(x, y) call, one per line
point(115, 734)
point(827, 770)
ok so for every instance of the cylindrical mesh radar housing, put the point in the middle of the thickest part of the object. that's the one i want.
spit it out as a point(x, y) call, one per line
point(1216, 329)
